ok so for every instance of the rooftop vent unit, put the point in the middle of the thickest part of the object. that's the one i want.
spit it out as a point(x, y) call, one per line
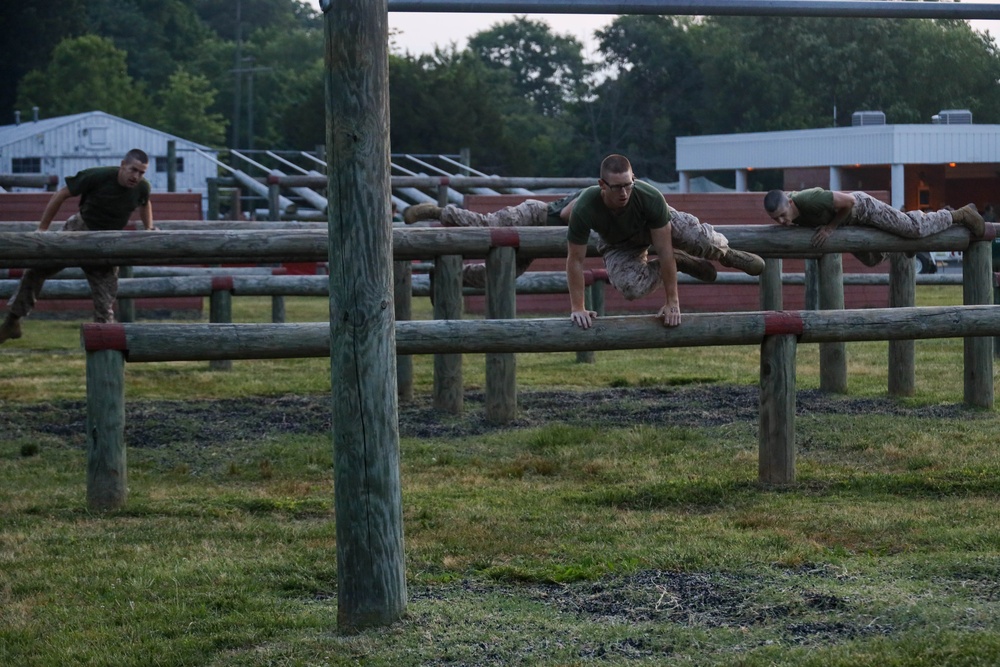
point(867, 118)
point(952, 117)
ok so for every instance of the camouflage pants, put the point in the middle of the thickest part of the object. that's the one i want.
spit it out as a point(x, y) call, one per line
point(103, 283)
point(870, 212)
point(631, 271)
point(529, 213)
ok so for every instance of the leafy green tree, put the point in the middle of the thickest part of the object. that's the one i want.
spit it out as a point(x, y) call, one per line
point(85, 73)
point(184, 109)
point(546, 69)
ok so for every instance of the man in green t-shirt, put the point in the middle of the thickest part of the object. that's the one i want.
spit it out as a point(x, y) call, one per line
point(628, 217)
point(108, 196)
point(825, 210)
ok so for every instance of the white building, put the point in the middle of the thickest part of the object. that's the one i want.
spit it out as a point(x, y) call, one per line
point(949, 161)
point(66, 144)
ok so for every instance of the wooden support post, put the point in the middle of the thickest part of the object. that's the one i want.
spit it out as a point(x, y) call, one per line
point(446, 289)
point(902, 353)
point(171, 165)
point(776, 438)
point(597, 294)
point(587, 356)
point(371, 573)
point(212, 197)
point(996, 302)
point(501, 368)
point(812, 285)
point(832, 356)
point(107, 471)
point(770, 285)
point(220, 311)
point(402, 288)
point(126, 307)
point(274, 215)
point(977, 273)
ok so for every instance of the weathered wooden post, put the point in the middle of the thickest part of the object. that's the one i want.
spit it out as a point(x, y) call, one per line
point(770, 285)
point(171, 165)
point(371, 576)
point(212, 198)
point(902, 353)
point(402, 288)
point(274, 215)
point(832, 356)
point(501, 304)
point(812, 285)
point(220, 311)
point(977, 271)
point(446, 292)
point(126, 307)
point(587, 356)
point(776, 435)
point(996, 302)
point(107, 470)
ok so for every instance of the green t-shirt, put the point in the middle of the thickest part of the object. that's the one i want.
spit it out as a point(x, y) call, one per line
point(105, 204)
point(646, 209)
point(815, 207)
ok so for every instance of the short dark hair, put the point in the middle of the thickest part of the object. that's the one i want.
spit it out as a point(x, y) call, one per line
point(615, 164)
point(137, 155)
point(774, 200)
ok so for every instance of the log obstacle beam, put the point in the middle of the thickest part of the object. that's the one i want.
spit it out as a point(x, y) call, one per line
point(108, 346)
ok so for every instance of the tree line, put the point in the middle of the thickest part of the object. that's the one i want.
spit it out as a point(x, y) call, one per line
point(523, 98)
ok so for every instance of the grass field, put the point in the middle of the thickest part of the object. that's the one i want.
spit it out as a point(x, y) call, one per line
point(562, 541)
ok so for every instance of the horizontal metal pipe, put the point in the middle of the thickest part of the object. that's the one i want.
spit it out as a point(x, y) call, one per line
point(200, 342)
point(826, 8)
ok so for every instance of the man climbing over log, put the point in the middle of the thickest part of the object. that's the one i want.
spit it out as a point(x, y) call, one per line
point(108, 196)
point(695, 243)
point(825, 210)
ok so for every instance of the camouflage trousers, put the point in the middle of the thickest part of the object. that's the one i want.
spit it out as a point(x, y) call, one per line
point(103, 283)
point(529, 213)
point(631, 271)
point(870, 212)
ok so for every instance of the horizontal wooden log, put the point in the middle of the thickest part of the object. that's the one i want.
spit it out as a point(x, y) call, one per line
point(201, 342)
point(184, 225)
point(76, 273)
point(305, 245)
point(28, 180)
point(529, 182)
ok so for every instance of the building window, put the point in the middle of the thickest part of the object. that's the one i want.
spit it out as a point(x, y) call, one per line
point(161, 165)
point(26, 165)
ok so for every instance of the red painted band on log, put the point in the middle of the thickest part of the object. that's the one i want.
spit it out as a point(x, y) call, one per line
point(777, 323)
point(222, 283)
point(99, 336)
point(504, 237)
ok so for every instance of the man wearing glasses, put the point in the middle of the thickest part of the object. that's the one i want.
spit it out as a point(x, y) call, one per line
point(629, 216)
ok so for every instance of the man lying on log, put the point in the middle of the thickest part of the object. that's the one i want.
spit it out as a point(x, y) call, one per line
point(108, 196)
point(825, 210)
point(695, 243)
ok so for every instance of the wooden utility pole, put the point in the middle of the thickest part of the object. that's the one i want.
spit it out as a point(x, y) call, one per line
point(371, 582)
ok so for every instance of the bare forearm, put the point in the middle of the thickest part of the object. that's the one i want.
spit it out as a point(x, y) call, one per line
point(55, 203)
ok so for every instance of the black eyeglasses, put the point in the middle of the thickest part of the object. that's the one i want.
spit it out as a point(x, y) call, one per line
point(622, 187)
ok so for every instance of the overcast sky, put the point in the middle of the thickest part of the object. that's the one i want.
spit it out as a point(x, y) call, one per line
point(420, 32)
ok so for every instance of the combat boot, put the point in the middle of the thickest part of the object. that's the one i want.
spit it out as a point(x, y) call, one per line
point(969, 217)
point(746, 262)
point(696, 267)
point(10, 329)
point(425, 211)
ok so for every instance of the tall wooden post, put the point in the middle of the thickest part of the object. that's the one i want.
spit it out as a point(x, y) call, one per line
point(832, 356)
point(220, 311)
point(371, 578)
point(776, 438)
point(402, 285)
point(171, 165)
point(587, 356)
point(107, 470)
point(446, 292)
point(501, 368)
point(902, 353)
point(274, 215)
point(977, 273)
point(770, 293)
point(126, 307)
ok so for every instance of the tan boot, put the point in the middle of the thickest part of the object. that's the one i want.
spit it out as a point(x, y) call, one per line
point(425, 211)
point(969, 217)
point(702, 269)
point(10, 329)
point(746, 262)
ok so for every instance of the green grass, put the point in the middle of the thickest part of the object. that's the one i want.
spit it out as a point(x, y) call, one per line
point(562, 544)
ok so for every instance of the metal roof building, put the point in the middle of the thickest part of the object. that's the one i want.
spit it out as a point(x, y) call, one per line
point(66, 144)
point(923, 166)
